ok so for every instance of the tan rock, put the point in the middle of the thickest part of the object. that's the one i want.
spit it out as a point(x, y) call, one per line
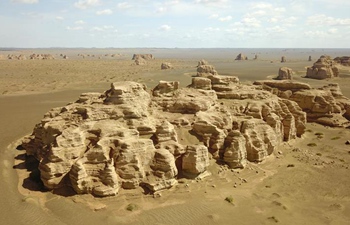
point(323, 68)
point(285, 73)
point(195, 161)
point(166, 66)
point(143, 56)
point(240, 56)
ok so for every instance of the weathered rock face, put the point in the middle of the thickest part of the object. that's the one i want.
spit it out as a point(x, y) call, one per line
point(166, 66)
point(143, 56)
point(285, 73)
point(323, 68)
point(140, 61)
point(327, 105)
point(344, 60)
point(127, 137)
point(202, 62)
point(206, 70)
point(240, 56)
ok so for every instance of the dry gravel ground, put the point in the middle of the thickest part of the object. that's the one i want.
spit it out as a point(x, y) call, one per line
point(307, 181)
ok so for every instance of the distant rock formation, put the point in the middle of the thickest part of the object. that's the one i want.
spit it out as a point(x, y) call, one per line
point(285, 73)
point(240, 56)
point(41, 56)
point(65, 57)
point(143, 56)
point(166, 66)
point(255, 56)
point(310, 59)
point(204, 69)
point(344, 60)
point(323, 68)
point(140, 61)
point(128, 137)
point(283, 59)
point(202, 62)
point(17, 57)
point(326, 106)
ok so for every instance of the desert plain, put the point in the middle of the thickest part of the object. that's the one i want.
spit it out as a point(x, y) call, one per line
point(304, 181)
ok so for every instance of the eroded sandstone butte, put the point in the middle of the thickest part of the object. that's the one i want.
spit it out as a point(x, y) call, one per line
point(129, 136)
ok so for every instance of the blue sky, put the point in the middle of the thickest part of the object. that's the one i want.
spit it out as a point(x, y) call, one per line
point(175, 23)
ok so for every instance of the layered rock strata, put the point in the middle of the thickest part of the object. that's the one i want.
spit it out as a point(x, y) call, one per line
point(326, 105)
point(285, 73)
point(323, 68)
point(128, 136)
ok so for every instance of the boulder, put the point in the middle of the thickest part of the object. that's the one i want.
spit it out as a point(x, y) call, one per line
point(240, 56)
point(140, 61)
point(195, 161)
point(285, 73)
point(166, 66)
point(344, 60)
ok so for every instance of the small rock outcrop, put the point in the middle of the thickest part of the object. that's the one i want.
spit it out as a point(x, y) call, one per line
point(140, 62)
point(205, 70)
point(41, 56)
point(240, 56)
point(166, 66)
point(323, 68)
point(344, 60)
point(310, 59)
point(283, 59)
point(143, 56)
point(285, 73)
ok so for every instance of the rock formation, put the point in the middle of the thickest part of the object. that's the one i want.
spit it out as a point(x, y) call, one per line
point(326, 105)
point(205, 70)
point(202, 62)
point(41, 56)
point(128, 137)
point(143, 56)
point(323, 68)
point(140, 61)
point(285, 73)
point(255, 56)
point(240, 56)
point(344, 60)
point(18, 57)
point(310, 59)
point(283, 59)
point(166, 66)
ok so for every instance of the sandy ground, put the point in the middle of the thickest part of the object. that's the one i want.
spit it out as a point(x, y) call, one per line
point(301, 183)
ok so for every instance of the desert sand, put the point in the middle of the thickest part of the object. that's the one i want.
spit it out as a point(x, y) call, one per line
point(306, 181)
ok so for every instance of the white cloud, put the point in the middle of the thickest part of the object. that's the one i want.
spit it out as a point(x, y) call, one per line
point(276, 29)
point(26, 1)
point(165, 27)
point(211, 29)
point(103, 28)
point(333, 31)
point(251, 22)
point(214, 16)
point(84, 4)
point(124, 5)
point(79, 22)
point(322, 20)
point(224, 19)
point(216, 3)
point(104, 12)
point(74, 28)
point(59, 18)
